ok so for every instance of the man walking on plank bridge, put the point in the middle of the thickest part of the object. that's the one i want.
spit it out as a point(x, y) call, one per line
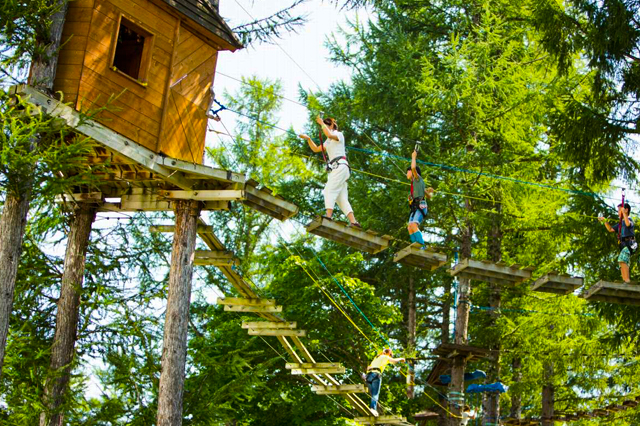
point(417, 199)
point(374, 375)
point(626, 238)
point(338, 168)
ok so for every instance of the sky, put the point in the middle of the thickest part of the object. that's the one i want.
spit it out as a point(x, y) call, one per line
point(312, 70)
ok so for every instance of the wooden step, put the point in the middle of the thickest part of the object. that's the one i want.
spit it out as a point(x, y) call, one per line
point(214, 258)
point(338, 389)
point(265, 202)
point(277, 332)
point(382, 420)
point(491, 272)
point(256, 325)
point(341, 232)
point(413, 255)
point(315, 368)
point(235, 304)
point(554, 282)
point(620, 293)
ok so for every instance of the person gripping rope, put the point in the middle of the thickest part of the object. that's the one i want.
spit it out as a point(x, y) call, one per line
point(418, 200)
point(335, 190)
point(626, 238)
point(374, 375)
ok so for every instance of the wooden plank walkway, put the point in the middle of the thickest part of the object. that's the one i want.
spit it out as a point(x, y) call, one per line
point(498, 273)
point(413, 255)
point(555, 282)
point(341, 232)
point(620, 293)
point(383, 420)
point(263, 200)
point(452, 350)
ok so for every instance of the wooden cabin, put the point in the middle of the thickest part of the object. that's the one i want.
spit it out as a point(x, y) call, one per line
point(158, 57)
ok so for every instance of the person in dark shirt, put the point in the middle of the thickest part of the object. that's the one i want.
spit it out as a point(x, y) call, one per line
point(626, 238)
point(418, 199)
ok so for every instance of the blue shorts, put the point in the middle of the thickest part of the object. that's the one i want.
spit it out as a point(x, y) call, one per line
point(418, 216)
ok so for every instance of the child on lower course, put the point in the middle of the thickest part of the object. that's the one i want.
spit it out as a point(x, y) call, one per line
point(418, 199)
point(626, 238)
point(335, 190)
point(374, 375)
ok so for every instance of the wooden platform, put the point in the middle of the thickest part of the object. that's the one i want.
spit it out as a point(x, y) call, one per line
point(452, 350)
point(498, 273)
point(605, 291)
point(341, 232)
point(555, 282)
point(423, 417)
point(413, 255)
point(339, 389)
point(383, 420)
point(264, 201)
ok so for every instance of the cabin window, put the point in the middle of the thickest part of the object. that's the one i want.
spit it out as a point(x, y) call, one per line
point(131, 55)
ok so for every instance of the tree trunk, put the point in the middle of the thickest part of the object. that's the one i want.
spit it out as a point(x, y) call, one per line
point(16, 206)
point(456, 388)
point(63, 349)
point(516, 397)
point(411, 335)
point(174, 351)
point(548, 395)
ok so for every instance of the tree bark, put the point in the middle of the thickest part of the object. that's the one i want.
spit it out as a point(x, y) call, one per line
point(16, 206)
point(456, 388)
point(548, 395)
point(174, 351)
point(516, 397)
point(411, 335)
point(63, 349)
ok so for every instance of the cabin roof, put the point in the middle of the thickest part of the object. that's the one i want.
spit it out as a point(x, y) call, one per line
point(205, 13)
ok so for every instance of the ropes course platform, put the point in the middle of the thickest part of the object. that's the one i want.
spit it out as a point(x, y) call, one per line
point(620, 293)
point(413, 255)
point(498, 273)
point(340, 232)
point(338, 390)
point(383, 420)
point(441, 367)
point(555, 282)
point(452, 350)
point(423, 417)
point(131, 177)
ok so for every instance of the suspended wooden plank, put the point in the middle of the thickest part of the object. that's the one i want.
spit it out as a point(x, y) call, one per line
point(630, 403)
point(256, 309)
point(490, 272)
point(413, 255)
point(339, 389)
point(277, 332)
point(367, 241)
point(256, 325)
point(382, 420)
point(554, 282)
point(292, 365)
point(332, 370)
point(452, 350)
point(263, 201)
point(204, 195)
point(215, 258)
point(620, 293)
point(238, 301)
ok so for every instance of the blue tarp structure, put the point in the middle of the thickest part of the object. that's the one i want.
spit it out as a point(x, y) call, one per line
point(478, 374)
point(493, 387)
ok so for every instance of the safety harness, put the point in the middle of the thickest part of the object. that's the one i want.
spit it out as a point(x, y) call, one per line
point(332, 164)
point(630, 241)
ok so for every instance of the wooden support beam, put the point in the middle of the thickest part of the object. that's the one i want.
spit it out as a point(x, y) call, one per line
point(297, 365)
point(287, 347)
point(620, 293)
point(263, 201)
point(171, 228)
point(304, 371)
point(255, 309)
point(490, 272)
point(204, 195)
point(277, 332)
point(80, 197)
point(237, 301)
point(380, 420)
point(367, 241)
point(337, 390)
point(557, 283)
point(257, 325)
point(199, 171)
point(413, 255)
point(302, 348)
point(215, 258)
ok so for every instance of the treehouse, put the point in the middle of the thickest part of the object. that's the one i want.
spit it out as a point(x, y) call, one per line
point(156, 57)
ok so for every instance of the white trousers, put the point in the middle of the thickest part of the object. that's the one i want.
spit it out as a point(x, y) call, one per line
point(336, 190)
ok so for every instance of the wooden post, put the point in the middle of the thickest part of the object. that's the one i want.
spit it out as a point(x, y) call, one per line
point(548, 395)
point(16, 205)
point(516, 397)
point(456, 387)
point(411, 335)
point(174, 350)
point(63, 348)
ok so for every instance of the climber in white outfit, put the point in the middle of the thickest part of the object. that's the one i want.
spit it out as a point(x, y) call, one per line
point(335, 191)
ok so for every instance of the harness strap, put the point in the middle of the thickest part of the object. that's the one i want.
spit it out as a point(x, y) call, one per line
point(621, 219)
point(322, 148)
